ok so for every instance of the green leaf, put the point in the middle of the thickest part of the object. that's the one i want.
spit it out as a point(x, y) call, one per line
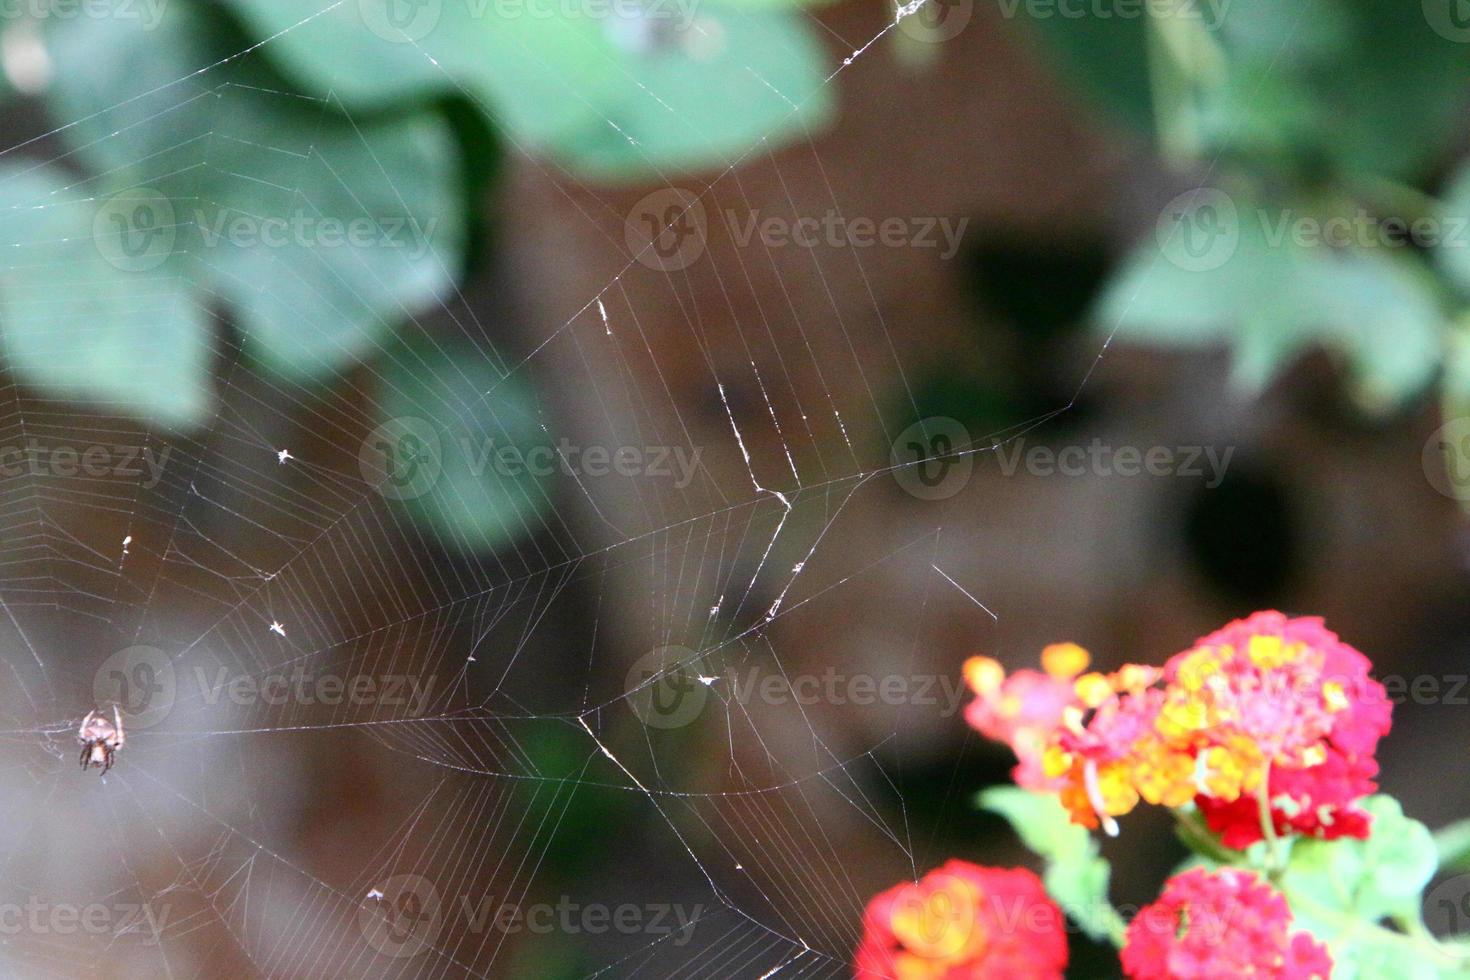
point(1452, 845)
point(537, 72)
point(459, 438)
point(1453, 254)
point(616, 93)
point(1105, 56)
point(1253, 277)
point(708, 96)
point(1340, 890)
point(321, 234)
point(96, 311)
point(1076, 873)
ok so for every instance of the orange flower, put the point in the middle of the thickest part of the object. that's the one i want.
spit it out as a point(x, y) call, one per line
point(963, 922)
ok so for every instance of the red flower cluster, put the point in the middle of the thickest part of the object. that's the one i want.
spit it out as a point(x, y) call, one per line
point(1267, 703)
point(963, 922)
point(1220, 926)
point(1317, 795)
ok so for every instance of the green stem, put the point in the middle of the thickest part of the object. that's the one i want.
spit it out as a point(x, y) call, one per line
point(1419, 944)
point(1183, 61)
point(1268, 826)
point(1191, 828)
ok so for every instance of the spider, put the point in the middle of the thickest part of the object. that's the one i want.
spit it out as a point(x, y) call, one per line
point(101, 739)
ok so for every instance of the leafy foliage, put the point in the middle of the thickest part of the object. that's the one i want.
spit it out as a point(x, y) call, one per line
point(1341, 888)
point(1076, 873)
point(612, 94)
point(1329, 119)
point(305, 173)
point(469, 419)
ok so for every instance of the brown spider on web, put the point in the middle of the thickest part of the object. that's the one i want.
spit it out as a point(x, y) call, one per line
point(101, 739)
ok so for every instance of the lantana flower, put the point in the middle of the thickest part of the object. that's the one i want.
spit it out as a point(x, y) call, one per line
point(1220, 925)
point(963, 922)
point(1266, 700)
point(1307, 700)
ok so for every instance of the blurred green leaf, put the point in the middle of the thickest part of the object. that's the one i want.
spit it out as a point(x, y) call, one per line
point(1076, 874)
point(319, 233)
point(96, 311)
point(616, 93)
point(1251, 285)
point(1345, 86)
point(1373, 878)
point(452, 401)
point(1452, 845)
point(1452, 254)
point(1338, 889)
point(1106, 57)
point(538, 73)
point(707, 95)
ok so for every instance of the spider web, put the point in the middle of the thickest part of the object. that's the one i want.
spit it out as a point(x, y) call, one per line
point(262, 547)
